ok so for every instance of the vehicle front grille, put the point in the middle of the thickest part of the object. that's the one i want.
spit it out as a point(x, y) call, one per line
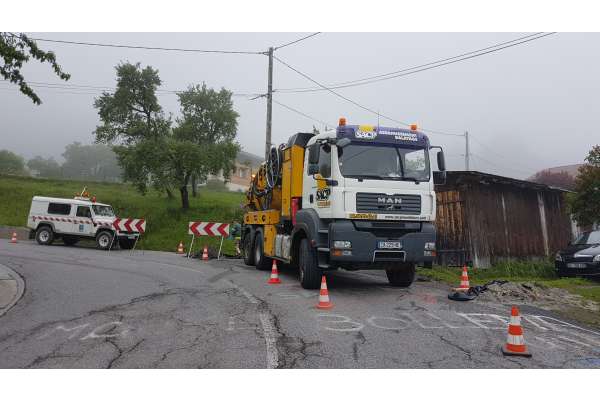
point(382, 203)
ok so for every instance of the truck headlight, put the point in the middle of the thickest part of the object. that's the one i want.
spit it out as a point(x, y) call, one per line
point(558, 257)
point(596, 258)
point(342, 244)
point(430, 246)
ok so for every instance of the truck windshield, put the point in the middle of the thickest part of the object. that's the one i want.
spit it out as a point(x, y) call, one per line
point(384, 162)
point(103, 211)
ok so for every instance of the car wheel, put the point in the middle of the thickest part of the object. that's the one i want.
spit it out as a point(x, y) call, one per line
point(247, 249)
point(401, 277)
point(310, 273)
point(70, 240)
point(104, 240)
point(126, 244)
point(44, 235)
point(260, 261)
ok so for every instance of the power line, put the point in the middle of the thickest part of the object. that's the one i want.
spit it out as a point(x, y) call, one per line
point(296, 41)
point(490, 150)
point(302, 113)
point(424, 67)
point(350, 100)
point(146, 47)
point(500, 166)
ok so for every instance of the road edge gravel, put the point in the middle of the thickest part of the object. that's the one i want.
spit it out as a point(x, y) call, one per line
point(18, 292)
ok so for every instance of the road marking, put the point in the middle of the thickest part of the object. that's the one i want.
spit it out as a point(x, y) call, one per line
point(65, 329)
point(108, 327)
point(354, 326)
point(403, 323)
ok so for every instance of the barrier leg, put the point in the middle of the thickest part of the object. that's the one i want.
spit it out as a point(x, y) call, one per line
point(191, 245)
point(220, 246)
point(112, 241)
point(134, 244)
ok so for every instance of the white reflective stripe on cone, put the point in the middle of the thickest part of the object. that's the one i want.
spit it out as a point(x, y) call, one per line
point(515, 320)
point(323, 298)
point(510, 339)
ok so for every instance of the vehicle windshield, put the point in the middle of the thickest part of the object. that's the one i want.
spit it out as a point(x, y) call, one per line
point(103, 211)
point(384, 162)
point(592, 237)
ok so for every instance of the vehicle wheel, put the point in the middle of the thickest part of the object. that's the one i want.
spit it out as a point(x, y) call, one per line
point(247, 249)
point(103, 240)
point(310, 273)
point(70, 240)
point(44, 236)
point(260, 261)
point(403, 276)
point(126, 244)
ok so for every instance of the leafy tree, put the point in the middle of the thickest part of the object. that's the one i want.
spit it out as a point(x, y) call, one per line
point(585, 203)
point(206, 132)
point(15, 50)
point(91, 162)
point(46, 167)
point(558, 179)
point(11, 163)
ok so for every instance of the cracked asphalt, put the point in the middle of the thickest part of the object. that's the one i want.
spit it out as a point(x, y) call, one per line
point(85, 308)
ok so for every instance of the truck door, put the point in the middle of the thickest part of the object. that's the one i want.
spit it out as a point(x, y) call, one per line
point(318, 192)
point(83, 221)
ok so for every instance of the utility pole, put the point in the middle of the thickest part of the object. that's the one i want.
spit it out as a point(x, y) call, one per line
point(467, 154)
point(269, 104)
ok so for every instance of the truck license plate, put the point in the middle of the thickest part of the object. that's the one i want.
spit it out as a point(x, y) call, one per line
point(389, 245)
point(576, 265)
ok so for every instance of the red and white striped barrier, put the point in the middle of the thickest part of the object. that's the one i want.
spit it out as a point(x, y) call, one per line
point(130, 225)
point(208, 229)
point(199, 228)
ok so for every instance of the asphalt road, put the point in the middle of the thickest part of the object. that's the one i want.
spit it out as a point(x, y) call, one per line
point(85, 308)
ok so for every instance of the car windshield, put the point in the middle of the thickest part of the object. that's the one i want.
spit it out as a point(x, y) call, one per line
point(592, 237)
point(103, 211)
point(384, 162)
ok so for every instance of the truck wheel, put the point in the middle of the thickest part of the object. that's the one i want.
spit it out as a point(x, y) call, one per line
point(260, 261)
point(247, 249)
point(70, 240)
point(310, 273)
point(402, 277)
point(103, 240)
point(126, 244)
point(44, 235)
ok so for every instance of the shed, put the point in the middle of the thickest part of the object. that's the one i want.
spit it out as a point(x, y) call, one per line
point(484, 219)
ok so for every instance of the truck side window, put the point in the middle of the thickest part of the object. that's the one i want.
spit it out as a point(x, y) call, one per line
point(59, 209)
point(84, 212)
point(325, 161)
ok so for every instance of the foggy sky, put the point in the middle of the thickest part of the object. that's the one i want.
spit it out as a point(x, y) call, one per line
point(527, 108)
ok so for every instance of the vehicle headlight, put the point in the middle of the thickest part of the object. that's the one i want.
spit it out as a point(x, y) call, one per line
point(430, 246)
point(342, 244)
point(558, 257)
point(596, 258)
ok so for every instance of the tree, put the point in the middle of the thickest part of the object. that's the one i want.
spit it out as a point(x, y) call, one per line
point(15, 50)
point(558, 179)
point(206, 133)
point(11, 163)
point(95, 162)
point(46, 167)
point(585, 203)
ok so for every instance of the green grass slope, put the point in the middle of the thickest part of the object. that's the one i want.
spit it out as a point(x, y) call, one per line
point(166, 222)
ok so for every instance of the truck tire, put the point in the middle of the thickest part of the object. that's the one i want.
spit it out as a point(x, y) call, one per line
point(103, 240)
point(248, 250)
point(310, 273)
point(70, 240)
point(126, 244)
point(261, 262)
point(401, 277)
point(44, 235)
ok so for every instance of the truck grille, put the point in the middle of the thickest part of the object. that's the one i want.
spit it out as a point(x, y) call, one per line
point(382, 203)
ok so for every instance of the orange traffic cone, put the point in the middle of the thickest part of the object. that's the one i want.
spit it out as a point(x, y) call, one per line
point(180, 249)
point(14, 238)
point(464, 280)
point(205, 254)
point(324, 295)
point(515, 343)
point(274, 274)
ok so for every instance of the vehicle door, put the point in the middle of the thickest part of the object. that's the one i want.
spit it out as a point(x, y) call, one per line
point(83, 221)
point(60, 216)
point(318, 192)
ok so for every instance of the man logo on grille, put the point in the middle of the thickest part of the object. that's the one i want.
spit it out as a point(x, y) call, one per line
point(389, 200)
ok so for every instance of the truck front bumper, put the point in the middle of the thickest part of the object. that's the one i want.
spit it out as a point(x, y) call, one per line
point(365, 251)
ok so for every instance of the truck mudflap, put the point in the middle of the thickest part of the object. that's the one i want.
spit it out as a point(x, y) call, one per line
point(375, 243)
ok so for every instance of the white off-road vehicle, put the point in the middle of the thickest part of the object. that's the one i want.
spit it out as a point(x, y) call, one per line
point(74, 219)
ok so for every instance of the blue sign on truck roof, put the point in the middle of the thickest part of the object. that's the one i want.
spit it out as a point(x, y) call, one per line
point(382, 135)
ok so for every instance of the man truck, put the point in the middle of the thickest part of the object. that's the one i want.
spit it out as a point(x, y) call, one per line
point(355, 197)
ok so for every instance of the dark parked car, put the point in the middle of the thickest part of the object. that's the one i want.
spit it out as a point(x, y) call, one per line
point(581, 257)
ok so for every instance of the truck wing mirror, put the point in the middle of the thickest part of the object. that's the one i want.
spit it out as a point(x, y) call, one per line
point(313, 153)
point(343, 142)
point(441, 161)
point(313, 169)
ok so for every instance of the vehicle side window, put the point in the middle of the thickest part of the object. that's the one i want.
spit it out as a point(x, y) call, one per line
point(325, 161)
point(84, 212)
point(59, 209)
